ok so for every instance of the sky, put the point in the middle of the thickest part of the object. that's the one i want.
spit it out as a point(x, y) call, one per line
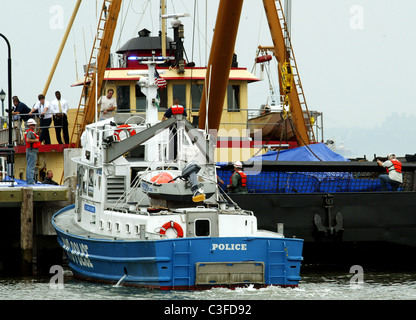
point(356, 58)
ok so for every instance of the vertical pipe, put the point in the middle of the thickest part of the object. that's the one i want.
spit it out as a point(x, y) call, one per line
point(163, 38)
point(10, 156)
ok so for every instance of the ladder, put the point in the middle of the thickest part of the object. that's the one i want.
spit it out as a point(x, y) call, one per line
point(283, 50)
point(94, 73)
point(181, 264)
point(276, 261)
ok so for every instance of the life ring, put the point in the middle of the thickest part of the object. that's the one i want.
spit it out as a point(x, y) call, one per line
point(124, 127)
point(174, 225)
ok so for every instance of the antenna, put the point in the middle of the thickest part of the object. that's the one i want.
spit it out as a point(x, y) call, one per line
point(175, 22)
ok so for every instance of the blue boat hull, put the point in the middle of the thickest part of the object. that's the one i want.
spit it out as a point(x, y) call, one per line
point(179, 264)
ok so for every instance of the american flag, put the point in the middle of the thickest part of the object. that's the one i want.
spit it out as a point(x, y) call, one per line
point(160, 82)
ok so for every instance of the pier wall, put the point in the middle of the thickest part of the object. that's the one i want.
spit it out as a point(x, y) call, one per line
point(28, 243)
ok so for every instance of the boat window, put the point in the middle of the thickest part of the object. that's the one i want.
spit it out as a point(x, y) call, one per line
point(85, 181)
point(196, 96)
point(91, 183)
point(137, 153)
point(140, 99)
point(202, 228)
point(163, 99)
point(179, 91)
point(80, 175)
point(123, 98)
point(233, 98)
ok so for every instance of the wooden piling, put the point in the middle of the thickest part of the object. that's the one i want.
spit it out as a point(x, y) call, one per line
point(26, 230)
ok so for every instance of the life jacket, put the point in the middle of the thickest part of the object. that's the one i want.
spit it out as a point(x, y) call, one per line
point(243, 178)
point(177, 109)
point(397, 166)
point(33, 145)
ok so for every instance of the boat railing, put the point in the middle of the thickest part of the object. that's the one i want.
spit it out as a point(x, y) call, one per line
point(317, 176)
point(19, 128)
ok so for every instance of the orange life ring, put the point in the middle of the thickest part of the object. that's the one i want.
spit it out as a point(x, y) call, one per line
point(174, 225)
point(121, 128)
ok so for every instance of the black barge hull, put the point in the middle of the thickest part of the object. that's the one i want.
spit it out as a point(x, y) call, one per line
point(372, 228)
point(343, 228)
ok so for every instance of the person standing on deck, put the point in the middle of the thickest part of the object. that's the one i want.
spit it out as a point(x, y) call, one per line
point(60, 108)
point(175, 109)
point(107, 105)
point(32, 149)
point(21, 111)
point(238, 181)
point(394, 170)
point(45, 115)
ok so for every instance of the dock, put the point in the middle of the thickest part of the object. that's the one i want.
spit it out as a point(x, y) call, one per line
point(28, 244)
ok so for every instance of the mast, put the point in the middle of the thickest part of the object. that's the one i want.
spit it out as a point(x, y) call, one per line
point(61, 47)
point(163, 36)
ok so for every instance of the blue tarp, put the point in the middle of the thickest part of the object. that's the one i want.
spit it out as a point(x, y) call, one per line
point(302, 154)
point(23, 183)
point(302, 182)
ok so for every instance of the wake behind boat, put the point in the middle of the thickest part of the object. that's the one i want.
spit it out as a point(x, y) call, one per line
point(143, 219)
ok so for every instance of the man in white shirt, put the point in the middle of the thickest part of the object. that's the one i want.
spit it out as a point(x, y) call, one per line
point(45, 116)
point(107, 105)
point(394, 169)
point(59, 108)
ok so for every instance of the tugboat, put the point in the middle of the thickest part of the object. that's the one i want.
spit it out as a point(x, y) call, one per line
point(142, 219)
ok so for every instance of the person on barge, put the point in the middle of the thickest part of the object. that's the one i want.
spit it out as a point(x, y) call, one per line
point(394, 175)
point(238, 180)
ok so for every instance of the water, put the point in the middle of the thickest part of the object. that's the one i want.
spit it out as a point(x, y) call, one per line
point(314, 286)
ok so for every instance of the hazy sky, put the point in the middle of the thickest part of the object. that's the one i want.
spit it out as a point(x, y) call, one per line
point(356, 58)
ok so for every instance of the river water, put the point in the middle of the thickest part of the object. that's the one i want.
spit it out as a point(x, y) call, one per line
point(327, 285)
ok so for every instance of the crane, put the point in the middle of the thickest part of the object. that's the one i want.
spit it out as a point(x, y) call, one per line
point(289, 80)
point(94, 74)
point(219, 65)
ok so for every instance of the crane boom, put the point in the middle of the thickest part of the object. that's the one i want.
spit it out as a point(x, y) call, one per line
point(284, 53)
point(219, 63)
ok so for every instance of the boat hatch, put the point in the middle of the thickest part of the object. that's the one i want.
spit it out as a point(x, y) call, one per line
point(229, 273)
point(202, 224)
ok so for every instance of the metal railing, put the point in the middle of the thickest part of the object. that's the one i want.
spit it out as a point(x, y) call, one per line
point(19, 126)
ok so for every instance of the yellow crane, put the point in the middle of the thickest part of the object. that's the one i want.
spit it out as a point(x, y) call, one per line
point(94, 74)
point(219, 65)
point(290, 84)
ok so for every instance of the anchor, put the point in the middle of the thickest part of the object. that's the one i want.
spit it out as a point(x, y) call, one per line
point(330, 230)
